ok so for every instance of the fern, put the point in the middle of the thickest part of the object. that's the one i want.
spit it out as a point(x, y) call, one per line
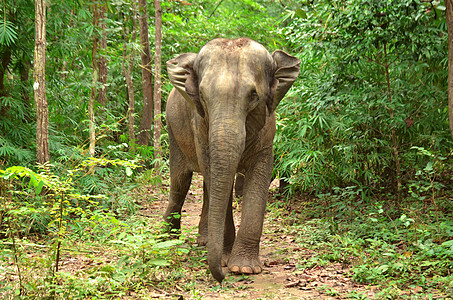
point(8, 34)
point(13, 153)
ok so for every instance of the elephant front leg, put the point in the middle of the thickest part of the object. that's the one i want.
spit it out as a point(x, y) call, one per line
point(245, 253)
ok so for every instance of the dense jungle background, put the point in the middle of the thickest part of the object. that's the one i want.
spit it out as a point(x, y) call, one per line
point(363, 150)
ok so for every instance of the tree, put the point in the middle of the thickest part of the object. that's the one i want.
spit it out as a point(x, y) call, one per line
point(128, 73)
point(373, 89)
point(157, 86)
point(93, 92)
point(102, 62)
point(39, 86)
point(449, 17)
point(5, 60)
point(144, 135)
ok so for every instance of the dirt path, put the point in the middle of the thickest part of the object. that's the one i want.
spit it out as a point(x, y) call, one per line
point(280, 279)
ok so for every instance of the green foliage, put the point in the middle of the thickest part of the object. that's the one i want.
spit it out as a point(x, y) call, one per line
point(336, 127)
point(16, 141)
point(16, 116)
point(189, 27)
point(49, 204)
point(395, 251)
point(41, 196)
point(8, 34)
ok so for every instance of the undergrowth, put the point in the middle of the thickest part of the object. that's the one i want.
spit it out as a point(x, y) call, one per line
point(58, 242)
point(401, 248)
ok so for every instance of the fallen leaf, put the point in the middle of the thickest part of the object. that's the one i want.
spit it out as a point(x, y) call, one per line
point(292, 284)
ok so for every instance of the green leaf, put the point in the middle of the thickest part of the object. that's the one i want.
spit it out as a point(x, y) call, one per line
point(128, 171)
point(159, 262)
point(301, 13)
point(33, 180)
point(183, 250)
point(8, 34)
point(383, 268)
point(39, 187)
point(429, 166)
point(448, 243)
point(167, 244)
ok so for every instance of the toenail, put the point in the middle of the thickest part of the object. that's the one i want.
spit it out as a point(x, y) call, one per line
point(246, 270)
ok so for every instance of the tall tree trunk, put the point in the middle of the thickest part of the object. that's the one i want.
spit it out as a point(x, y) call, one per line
point(157, 86)
point(24, 75)
point(128, 74)
point(39, 85)
point(144, 135)
point(449, 16)
point(5, 59)
point(94, 80)
point(102, 64)
point(395, 147)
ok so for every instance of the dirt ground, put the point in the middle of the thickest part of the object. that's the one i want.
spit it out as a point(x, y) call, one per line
point(280, 278)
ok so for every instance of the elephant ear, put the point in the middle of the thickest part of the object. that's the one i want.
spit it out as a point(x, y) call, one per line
point(286, 73)
point(184, 79)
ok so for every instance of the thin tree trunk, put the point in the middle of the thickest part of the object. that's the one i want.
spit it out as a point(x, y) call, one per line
point(128, 74)
point(91, 118)
point(24, 75)
point(144, 135)
point(39, 85)
point(94, 80)
point(102, 59)
point(5, 60)
point(449, 17)
point(157, 86)
point(395, 147)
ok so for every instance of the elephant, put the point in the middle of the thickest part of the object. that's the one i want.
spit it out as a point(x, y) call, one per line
point(221, 121)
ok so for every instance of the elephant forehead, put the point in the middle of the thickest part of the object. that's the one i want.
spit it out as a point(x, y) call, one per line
point(226, 82)
point(240, 74)
point(230, 45)
point(239, 59)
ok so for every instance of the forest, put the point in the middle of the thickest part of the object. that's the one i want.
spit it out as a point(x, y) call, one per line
point(361, 202)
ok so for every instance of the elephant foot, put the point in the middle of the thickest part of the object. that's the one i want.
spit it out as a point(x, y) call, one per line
point(242, 265)
point(202, 240)
point(225, 258)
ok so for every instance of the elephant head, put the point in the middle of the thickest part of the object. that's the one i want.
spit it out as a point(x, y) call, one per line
point(234, 86)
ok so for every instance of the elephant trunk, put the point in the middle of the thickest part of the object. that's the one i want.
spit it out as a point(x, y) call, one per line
point(227, 142)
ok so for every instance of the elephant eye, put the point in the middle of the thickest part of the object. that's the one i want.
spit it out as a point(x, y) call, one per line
point(254, 100)
point(254, 96)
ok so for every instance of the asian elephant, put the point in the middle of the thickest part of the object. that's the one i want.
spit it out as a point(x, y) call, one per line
point(221, 120)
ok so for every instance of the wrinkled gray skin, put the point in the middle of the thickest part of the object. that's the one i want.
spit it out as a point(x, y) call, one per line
point(221, 120)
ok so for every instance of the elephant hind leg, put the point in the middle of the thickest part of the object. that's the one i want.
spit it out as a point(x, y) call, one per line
point(202, 239)
point(179, 186)
point(230, 232)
